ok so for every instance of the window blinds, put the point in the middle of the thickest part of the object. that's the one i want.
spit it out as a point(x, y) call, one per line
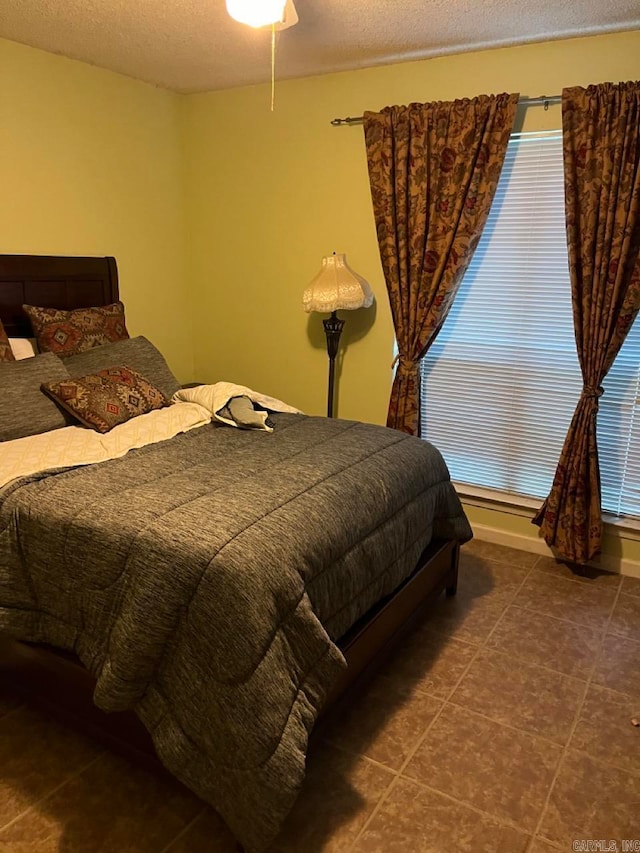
point(619, 430)
point(501, 381)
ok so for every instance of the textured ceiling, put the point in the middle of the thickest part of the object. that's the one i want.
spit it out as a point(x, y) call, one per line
point(192, 45)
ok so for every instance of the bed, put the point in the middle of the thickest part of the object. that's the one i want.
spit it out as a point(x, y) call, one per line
point(225, 588)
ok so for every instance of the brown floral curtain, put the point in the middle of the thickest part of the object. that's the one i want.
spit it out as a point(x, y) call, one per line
point(601, 130)
point(433, 170)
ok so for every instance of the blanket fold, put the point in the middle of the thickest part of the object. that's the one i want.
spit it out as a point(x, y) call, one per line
point(235, 405)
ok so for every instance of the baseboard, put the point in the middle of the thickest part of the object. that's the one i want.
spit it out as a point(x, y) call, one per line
point(534, 545)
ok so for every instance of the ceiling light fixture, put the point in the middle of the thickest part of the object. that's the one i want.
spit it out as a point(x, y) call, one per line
point(277, 14)
point(264, 13)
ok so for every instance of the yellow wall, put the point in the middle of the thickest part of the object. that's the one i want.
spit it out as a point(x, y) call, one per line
point(269, 194)
point(90, 163)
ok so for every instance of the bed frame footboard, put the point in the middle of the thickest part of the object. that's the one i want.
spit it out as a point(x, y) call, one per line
point(57, 680)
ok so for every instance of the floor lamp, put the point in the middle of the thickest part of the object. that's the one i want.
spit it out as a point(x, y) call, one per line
point(336, 288)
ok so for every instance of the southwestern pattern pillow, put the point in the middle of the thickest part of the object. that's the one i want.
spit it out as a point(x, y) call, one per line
point(70, 332)
point(6, 353)
point(108, 398)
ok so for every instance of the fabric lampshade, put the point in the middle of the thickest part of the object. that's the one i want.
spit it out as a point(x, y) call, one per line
point(337, 287)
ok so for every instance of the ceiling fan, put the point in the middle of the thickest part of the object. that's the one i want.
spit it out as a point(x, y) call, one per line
point(280, 14)
point(276, 14)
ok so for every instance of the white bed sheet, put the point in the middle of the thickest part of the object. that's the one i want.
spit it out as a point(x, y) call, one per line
point(73, 446)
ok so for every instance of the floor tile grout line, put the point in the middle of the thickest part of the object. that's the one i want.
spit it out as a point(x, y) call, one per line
point(616, 632)
point(503, 821)
point(449, 636)
point(563, 753)
point(617, 592)
point(617, 636)
point(607, 763)
point(599, 571)
point(587, 681)
point(409, 757)
point(436, 717)
point(576, 720)
point(383, 797)
point(579, 580)
point(50, 793)
point(185, 829)
point(560, 619)
point(629, 594)
point(415, 688)
point(485, 643)
point(451, 701)
point(508, 603)
point(479, 647)
point(514, 658)
point(634, 699)
point(622, 637)
point(485, 646)
point(554, 845)
point(466, 555)
point(352, 753)
point(440, 634)
point(509, 726)
point(584, 624)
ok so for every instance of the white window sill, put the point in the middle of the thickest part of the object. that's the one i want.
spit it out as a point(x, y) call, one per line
point(627, 528)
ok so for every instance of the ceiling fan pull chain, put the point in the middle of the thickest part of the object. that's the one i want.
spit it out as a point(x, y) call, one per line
point(273, 66)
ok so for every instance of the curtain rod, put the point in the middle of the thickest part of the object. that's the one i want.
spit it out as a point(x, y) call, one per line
point(523, 102)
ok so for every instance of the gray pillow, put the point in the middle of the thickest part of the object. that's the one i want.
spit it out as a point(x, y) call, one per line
point(136, 353)
point(24, 409)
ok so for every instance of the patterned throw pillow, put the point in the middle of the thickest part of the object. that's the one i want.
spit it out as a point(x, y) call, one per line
point(6, 353)
point(71, 332)
point(105, 399)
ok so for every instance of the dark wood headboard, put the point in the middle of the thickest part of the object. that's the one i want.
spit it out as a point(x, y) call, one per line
point(52, 282)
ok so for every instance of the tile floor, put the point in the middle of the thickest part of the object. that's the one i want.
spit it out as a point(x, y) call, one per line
point(501, 726)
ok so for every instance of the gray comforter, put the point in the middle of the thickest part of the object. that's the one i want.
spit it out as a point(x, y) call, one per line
point(202, 580)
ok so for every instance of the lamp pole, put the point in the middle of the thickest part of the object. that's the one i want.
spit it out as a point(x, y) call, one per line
point(332, 329)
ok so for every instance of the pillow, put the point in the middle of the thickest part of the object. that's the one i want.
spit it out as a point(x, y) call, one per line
point(24, 409)
point(108, 398)
point(6, 353)
point(22, 348)
point(139, 353)
point(69, 332)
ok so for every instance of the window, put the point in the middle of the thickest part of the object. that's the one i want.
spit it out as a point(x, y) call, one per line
point(501, 381)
